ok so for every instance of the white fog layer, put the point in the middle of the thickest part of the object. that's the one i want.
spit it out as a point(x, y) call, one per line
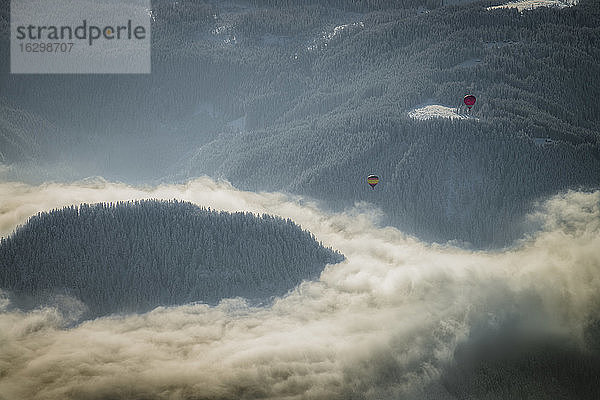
point(385, 323)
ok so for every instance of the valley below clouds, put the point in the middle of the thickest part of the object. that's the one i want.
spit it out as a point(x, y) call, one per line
point(399, 318)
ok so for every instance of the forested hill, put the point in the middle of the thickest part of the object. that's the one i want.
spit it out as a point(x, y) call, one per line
point(310, 97)
point(135, 256)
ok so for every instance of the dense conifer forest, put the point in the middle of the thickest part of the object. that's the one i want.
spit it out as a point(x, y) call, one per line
point(134, 256)
point(310, 97)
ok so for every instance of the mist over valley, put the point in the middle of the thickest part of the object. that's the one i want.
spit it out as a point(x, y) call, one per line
point(335, 199)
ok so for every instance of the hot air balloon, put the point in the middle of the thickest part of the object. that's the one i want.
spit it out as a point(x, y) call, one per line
point(372, 180)
point(469, 101)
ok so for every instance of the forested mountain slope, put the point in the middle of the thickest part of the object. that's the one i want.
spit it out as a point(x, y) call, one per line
point(468, 180)
point(18, 140)
point(134, 256)
point(310, 97)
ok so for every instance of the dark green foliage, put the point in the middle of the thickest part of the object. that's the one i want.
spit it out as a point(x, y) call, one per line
point(324, 107)
point(439, 179)
point(513, 366)
point(18, 139)
point(138, 255)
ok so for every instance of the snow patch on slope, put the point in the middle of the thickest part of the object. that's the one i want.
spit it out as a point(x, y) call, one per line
point(435, 111)
point(328, 36)
point(468, 63)
point(238, 124)
point(531, 4)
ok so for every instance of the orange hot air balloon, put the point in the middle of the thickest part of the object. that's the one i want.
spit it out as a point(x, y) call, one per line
point(469, 101)
point(372, 180)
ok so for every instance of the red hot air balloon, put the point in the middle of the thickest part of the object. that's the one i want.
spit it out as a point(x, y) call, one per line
point(469, 101)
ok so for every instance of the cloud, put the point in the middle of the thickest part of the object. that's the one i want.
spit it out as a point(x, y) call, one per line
point(385, 323)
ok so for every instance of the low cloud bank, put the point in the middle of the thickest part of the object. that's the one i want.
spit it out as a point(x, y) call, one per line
point(398, 319)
